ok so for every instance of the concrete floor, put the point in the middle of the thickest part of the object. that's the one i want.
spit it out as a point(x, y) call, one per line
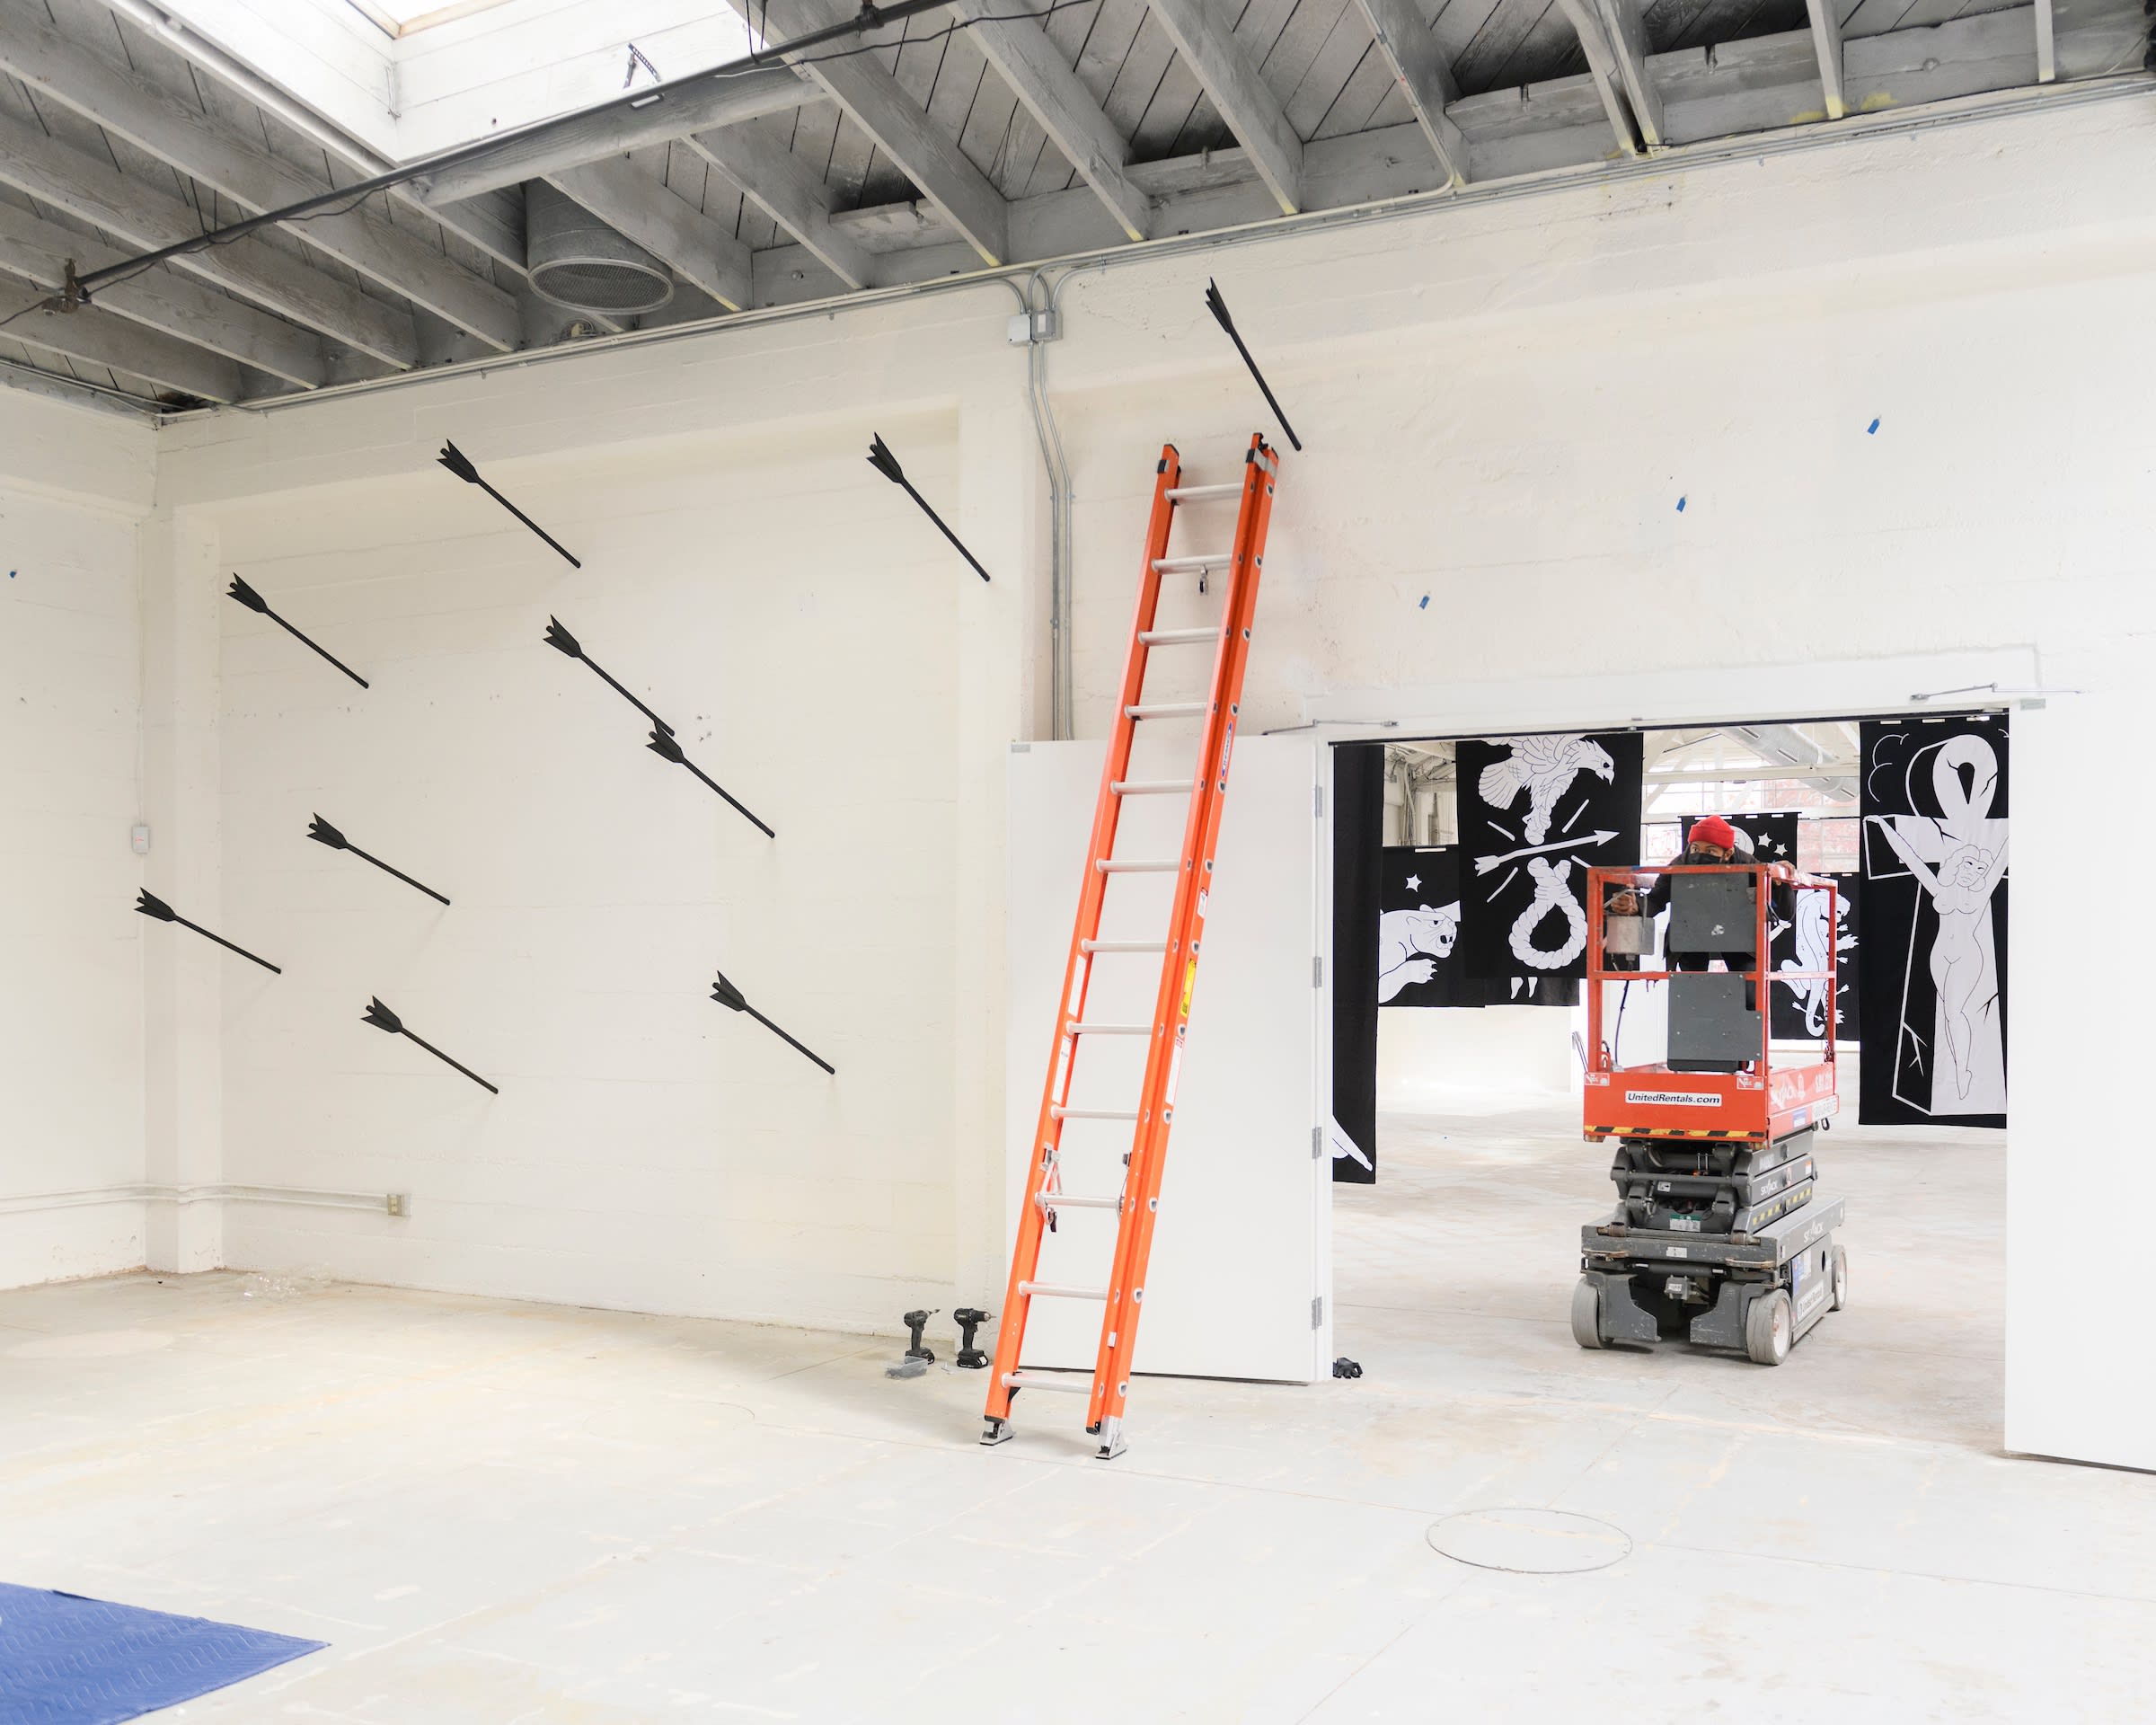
point(500, 1513)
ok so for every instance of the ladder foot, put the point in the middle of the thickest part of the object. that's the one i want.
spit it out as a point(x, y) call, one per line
point(997, 1431)
point(1111, 1440)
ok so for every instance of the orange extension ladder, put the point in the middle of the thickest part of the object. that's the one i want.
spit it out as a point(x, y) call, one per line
point(1137, 1204)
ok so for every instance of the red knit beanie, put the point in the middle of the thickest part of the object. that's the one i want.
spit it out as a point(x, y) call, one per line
point(1715, 831)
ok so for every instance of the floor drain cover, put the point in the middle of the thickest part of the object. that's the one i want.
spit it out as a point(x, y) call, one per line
point(1530, 1542)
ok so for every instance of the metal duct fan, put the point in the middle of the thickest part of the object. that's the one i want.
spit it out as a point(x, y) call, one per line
point(580, 263)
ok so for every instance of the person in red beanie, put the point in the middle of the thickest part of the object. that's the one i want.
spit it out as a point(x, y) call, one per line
point(1713, 841)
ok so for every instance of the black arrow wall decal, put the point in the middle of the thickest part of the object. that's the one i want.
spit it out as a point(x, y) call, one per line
point(382, 1019)
point(458, 463)
point(255, 602)
point(1219, 308)
point(733, 1000)
point(662, 744)
point(150, 905)
point(569, 647)
point(885, 462)
point(323, 833)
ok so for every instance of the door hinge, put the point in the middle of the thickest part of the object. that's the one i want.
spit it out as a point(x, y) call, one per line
point(1317, 795)
point(1317, 973)
point(1317, 1312)
point(1317, 1142)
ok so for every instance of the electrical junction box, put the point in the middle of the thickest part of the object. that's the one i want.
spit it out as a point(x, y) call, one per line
point(1025, 328)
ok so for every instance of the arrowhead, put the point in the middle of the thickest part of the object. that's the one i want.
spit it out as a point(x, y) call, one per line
point(150, 905)
point(323, 833)
point(382, 1019)
point(727, 996)
point(561, 639)
point(246, 595)
point(459, 463)
point(1603, 839)
point(662, 744)
point(884, 461)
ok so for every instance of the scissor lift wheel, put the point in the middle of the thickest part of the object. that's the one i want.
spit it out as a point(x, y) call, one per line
point(1768, 1326)
point(1586, 1314)
point(1841, 1282)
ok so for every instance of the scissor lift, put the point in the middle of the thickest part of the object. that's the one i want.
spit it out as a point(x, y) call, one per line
point(1720, 1236)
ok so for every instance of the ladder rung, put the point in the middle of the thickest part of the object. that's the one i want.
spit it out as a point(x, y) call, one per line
point(1161, 866)
point(1071, 1201)
point(1062, 1113)
point(1204, 560)
point(1192, 493)
point(1068, 1382)
point(1061, 1291)
point(1148, 787)
point(1167, 709)
point(1111, 1030)
point(1123, 946)
point(1177, 637)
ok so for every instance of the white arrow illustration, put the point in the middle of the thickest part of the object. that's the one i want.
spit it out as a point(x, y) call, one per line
point(1484, 864)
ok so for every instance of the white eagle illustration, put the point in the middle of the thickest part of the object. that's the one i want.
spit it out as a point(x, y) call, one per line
point(1544, 768)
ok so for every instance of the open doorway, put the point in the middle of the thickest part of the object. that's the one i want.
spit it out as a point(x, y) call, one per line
point(1456, 1249)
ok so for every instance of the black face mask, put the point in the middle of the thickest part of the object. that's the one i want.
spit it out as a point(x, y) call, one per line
point(1701, 859)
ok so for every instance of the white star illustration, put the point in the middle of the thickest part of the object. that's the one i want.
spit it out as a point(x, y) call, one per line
point(1414, 883)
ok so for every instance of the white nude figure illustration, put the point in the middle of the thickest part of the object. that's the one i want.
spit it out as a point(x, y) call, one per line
point(1543, 769)
point(1958, 859)
point(1814, 945)
point(1410, 942)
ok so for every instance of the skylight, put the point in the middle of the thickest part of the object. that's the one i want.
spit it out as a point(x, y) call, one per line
point(402, 17)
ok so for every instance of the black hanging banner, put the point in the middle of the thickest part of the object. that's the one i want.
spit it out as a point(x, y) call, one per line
point(1358, 815)
point(1933, 983)
point(1799, 1011)
point(1418, 930)
point(1536, 813)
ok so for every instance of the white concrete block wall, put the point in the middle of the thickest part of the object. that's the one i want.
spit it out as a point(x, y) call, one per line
point(71, 1101)
point(649, 1149)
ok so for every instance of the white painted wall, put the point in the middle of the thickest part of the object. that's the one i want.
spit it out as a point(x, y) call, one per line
point(1503, 402)
point(649, 1149)
point(72, 484)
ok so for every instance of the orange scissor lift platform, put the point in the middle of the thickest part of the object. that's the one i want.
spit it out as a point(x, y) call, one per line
point(1720, 1236)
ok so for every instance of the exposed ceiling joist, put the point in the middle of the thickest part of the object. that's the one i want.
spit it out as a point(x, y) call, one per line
point(578, 139)
point(1826, 41)
point(105, 339)
point(2047, 49)
point(123, 102)
point(38, 251)
point(1608, 76)
point(665, 224)
point(879, 105)
point(1056, 96)
point(1245, 101)
point(96, 193)
point(1625, 30)
point(1409, 47)
point(789, 191)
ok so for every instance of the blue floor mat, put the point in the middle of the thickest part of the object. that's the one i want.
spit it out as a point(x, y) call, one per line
point(67, 1661)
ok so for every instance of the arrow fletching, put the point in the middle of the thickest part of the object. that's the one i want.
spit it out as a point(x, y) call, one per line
point(246, 595)
point(1218, 307)
point(662, 744)
point(323, 833)
point(382, 1019)
point(562, 641)
point(150, 905)
point(458, 463)
point(727, 996)
point(884, 461)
